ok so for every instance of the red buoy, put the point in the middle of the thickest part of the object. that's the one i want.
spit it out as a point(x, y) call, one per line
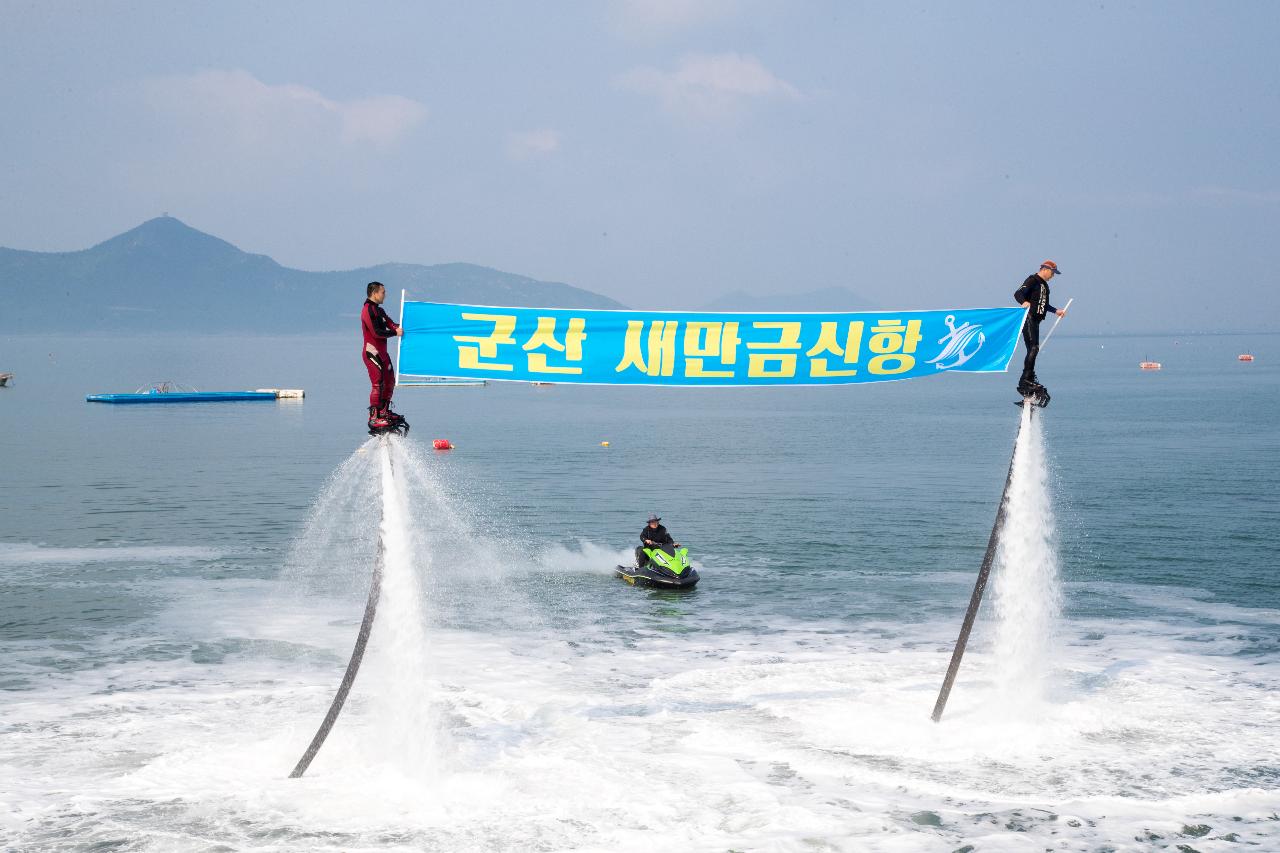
point(441, 444)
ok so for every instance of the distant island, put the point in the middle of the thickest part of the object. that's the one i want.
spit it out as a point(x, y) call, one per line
point(166, 276)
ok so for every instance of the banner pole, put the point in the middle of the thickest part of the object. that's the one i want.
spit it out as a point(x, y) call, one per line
point(400, 338)
point(1055, 324)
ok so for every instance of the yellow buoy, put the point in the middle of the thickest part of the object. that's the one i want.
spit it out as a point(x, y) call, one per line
point(604, 444)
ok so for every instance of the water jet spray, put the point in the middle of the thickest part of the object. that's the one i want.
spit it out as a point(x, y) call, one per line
point(366, 625)
point(1020, 542)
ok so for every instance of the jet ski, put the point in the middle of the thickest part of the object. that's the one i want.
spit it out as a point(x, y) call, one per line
point(666, 568)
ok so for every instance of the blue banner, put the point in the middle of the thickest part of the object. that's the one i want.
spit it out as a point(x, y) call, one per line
point(700, 349)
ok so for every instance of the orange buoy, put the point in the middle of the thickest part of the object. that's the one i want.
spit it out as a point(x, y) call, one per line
point(441, 444)
point(1244, 356)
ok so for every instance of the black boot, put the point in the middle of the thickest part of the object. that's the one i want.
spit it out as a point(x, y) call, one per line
point(393, 422)
point(1033, 391)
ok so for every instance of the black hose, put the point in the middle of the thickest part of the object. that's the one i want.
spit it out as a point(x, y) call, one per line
point(976, 599)
point(353, 666)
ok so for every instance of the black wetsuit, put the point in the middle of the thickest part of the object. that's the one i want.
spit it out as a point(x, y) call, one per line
point(1036, 291)
point(657, 535)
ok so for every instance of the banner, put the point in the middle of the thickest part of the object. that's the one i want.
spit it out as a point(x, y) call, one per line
point(699, 349)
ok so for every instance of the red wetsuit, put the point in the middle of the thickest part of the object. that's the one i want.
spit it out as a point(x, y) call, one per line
point(377, 327)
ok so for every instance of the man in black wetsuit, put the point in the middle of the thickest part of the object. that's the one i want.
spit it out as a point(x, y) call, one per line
point(653, 535)
point(1034, 294)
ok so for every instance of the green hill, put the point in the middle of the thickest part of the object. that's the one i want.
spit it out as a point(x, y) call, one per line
point(166, 276)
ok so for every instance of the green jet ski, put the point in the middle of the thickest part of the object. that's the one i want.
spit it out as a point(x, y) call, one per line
point(666, 568)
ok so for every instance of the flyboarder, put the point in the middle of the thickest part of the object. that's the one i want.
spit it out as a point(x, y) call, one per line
point(1034, 294)
point(377, 328)
point(653, 533)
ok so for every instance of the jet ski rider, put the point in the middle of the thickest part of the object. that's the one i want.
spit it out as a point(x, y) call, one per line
point(653, 535)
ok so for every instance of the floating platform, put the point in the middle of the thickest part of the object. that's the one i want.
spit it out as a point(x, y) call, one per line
point(1244, 356)
point(1150, 365)
point(159, 396)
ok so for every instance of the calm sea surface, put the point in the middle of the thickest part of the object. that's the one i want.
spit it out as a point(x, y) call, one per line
point(180, 586)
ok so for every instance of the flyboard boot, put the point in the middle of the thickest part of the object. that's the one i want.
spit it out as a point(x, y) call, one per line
point(1032, 392)
point(384, 421)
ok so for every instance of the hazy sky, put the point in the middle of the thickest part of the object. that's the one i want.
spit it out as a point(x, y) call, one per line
point(663, 153)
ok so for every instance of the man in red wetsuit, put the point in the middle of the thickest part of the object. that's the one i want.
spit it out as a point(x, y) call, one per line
point(377, 328)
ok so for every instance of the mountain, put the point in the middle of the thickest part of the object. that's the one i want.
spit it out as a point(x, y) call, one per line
point(825, 299)
point(166, 276)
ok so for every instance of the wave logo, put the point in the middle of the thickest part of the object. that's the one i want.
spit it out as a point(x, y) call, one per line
point(958, 344)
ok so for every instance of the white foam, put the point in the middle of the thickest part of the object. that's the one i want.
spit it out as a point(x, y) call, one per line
point(735, 740)
point(399, 655)
point(585, 558)
point(514, 729)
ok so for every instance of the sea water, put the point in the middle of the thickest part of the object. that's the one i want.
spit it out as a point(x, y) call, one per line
point(180, 591)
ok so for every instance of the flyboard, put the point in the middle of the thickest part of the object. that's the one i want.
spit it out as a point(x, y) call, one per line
point(366, 625)
point(1029, 404)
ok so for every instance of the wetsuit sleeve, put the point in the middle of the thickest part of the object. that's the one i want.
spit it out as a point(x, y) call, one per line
point(1049, 309)
point(1020, 295)
point(381, 323)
